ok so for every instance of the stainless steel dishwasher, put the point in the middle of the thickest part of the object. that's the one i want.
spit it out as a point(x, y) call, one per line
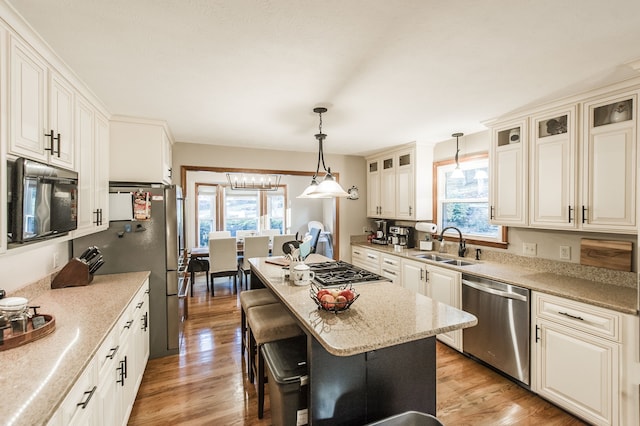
point(501, 338)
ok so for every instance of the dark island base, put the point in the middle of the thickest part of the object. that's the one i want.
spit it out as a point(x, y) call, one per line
point(363, 388)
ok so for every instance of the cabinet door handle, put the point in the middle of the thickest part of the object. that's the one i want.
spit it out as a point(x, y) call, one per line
point(421, 274)
point(121, 370)
point(584, 214)
point(170, 172)
point(58, 140)
point(139, 305)
point(566, 314)
point(113, 352)
point(491, 215)
point(537, 335)
point(50, 136)
point(89, 394)
point(144, 322)
point(410, 210)
point(390, 272)
point(128, 324)
point(570, 210)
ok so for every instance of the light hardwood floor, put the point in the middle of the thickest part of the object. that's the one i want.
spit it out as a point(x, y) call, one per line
point(206, 383)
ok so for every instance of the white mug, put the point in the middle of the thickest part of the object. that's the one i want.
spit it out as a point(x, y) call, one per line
point(302, 274)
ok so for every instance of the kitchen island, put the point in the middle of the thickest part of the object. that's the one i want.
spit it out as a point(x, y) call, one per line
point(372, 361)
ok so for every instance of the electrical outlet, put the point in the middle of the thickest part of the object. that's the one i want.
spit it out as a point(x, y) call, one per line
point(565, 252)
point(55, 260)
point(364, 230)
point(529, 249)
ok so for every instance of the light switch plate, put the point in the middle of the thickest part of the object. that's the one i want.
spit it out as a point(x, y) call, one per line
point(565, 252)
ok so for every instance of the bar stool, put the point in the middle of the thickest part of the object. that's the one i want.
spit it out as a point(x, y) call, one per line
point(267, 323)
point(250, 299)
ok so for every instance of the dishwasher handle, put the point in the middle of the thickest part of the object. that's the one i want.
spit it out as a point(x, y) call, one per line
point(487, 289)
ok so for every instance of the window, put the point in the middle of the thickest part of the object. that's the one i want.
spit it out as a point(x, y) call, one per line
point(206, 208)
point(221, 208)
point(464, 202)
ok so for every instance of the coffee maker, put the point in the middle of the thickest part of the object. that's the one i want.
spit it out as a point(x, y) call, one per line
point(381, 233)
point(401, 237)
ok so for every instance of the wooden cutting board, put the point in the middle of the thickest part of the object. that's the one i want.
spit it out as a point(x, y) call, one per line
point(606, 254)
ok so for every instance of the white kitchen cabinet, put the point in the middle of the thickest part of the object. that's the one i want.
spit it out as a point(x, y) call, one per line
point(381, 183)
point(390, 268)
point(105, 392)
point(508, 173)
point(576, 356)
point(93, 185)
point(140, 150)
point(61, 118)
point(373, 187)
point(554, 161)
point(28, 101)
point(414, 275)
point(41, 109)
point(445, 286)
point(366, 259)
point(609, 164)
point(80, 407)
point(399, 183)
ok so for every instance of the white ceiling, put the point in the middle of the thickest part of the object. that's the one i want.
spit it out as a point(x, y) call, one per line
point(249, 72)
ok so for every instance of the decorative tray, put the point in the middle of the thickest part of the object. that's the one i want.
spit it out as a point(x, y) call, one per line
point(333, 299)
point(12, 340)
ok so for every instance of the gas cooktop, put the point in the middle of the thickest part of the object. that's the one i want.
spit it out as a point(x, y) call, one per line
point(340, 273)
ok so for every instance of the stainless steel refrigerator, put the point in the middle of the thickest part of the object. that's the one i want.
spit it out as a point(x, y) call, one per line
point(143, 236)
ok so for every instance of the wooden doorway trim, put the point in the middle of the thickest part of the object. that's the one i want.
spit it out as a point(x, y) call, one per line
point(336, 222)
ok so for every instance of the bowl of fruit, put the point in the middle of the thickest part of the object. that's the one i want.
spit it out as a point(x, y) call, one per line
point(333, 299)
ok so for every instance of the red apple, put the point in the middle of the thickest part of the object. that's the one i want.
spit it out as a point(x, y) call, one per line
point(322, 293)
point(341, 302)
point(348, 294)
point(327, 301)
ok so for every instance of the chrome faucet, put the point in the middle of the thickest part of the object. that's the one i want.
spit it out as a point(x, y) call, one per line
point(462, 249)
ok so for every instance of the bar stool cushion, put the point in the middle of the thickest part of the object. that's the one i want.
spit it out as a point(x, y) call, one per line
point(251, 298)
point(271, 322)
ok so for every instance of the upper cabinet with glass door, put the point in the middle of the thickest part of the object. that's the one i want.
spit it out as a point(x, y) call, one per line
point(609, 164)
point(508, 173)
point(399, 183)
point(553, 169)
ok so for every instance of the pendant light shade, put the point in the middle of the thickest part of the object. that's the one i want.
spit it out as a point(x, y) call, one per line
point(328, 187)
point(457, 172)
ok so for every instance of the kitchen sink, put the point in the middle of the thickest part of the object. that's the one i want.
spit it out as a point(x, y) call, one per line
point(442, 259)
point(432, 257)
point(457, 262)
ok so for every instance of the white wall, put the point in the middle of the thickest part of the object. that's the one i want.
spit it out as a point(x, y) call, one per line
point(351, 170)
point(24, 265)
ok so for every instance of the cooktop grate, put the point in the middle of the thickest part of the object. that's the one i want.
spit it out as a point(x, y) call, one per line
point(340, 273)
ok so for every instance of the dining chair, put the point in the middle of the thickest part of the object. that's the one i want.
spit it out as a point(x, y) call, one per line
point(315, 235)
point(242, 233)
point(223, 259)
point(219, 234)
point(253, 247)
point(270, 233)
point(278, 241)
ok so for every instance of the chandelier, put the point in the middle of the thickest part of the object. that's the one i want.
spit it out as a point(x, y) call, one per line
point(328, 187)
point(253, 182)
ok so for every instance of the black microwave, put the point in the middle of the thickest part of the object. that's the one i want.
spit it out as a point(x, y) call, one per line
point(42, 201)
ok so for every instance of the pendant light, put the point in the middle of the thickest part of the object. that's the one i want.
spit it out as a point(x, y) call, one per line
point(328, 187)
point(457, 172)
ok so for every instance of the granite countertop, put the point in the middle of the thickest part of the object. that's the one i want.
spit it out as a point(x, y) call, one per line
point(36, 377)
point(596, 292)
point(384, 315)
